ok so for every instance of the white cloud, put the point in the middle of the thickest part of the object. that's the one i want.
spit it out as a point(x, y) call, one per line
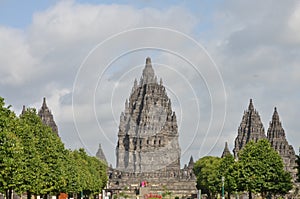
point(293, 26)
point(257, 55)
point(52, 48)
point(16, 62)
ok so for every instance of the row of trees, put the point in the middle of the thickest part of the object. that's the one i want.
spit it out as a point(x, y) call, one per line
point(259, 169)
point(33, 159)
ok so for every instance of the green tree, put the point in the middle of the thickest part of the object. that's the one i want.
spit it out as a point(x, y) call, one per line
point(260, 170)
point(208, 177)
point(228, 170)
point(11, 151)
point(44, 156)
point(91, 172)
point(33, 159)
point(72, 175)
point(34, 168)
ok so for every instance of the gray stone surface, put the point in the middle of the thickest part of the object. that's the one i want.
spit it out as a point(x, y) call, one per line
point(148, 132)
point(250, 129)
point(47, 117)
point(148, 148)
point(100, 154)
point(277, 138)
point(226, 151)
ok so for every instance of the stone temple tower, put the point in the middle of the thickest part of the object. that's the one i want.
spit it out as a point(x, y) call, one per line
point(47, 117)
point(100, 154)
point(226, 151)
point(148, 132)
point(250, 129)
point(277, 138)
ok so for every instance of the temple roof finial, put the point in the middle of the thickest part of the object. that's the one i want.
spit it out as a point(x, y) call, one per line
point(251, 107)
point(275, 117)
point(44, 102)
point(148, 60)
point(148, 72)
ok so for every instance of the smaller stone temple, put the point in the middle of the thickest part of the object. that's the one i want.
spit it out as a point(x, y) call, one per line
point(226, 151)
point(100, 154)
point(251, 129)
point(277, 138)
point(47, 117)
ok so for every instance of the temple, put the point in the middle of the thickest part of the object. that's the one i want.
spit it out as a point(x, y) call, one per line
point(100, 155)
point(226, 151)
point(277, 138)
point(148, 148)
point(47, 117)
point(250, 129)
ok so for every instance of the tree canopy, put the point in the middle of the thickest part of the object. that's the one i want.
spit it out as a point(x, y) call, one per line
point(33, 159)
point(208, 178)
point(259, 169)
point(11, 150)
point(228, 170)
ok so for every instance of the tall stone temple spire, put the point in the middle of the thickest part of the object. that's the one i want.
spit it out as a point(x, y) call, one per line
point(277, 138)
point(148, 132)
point(191, 163)
point(226, 151)
point(250, 129)
point(100, 154)
point(47, 117)
point(148, 73)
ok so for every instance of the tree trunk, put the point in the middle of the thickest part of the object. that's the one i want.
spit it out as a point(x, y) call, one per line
point(6, 194)
point(9, 194)
point(28, 195)
point(250, 195)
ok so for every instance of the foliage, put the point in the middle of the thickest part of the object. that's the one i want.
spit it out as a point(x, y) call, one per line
point(44, 155)
point(91, 173)
point(33, 159)
point(208, 178)
point(228, 170)
point(260, 169)
point(166, 193)
point(11, 150)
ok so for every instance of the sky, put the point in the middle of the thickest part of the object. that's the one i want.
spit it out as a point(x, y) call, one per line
point(213, 56)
